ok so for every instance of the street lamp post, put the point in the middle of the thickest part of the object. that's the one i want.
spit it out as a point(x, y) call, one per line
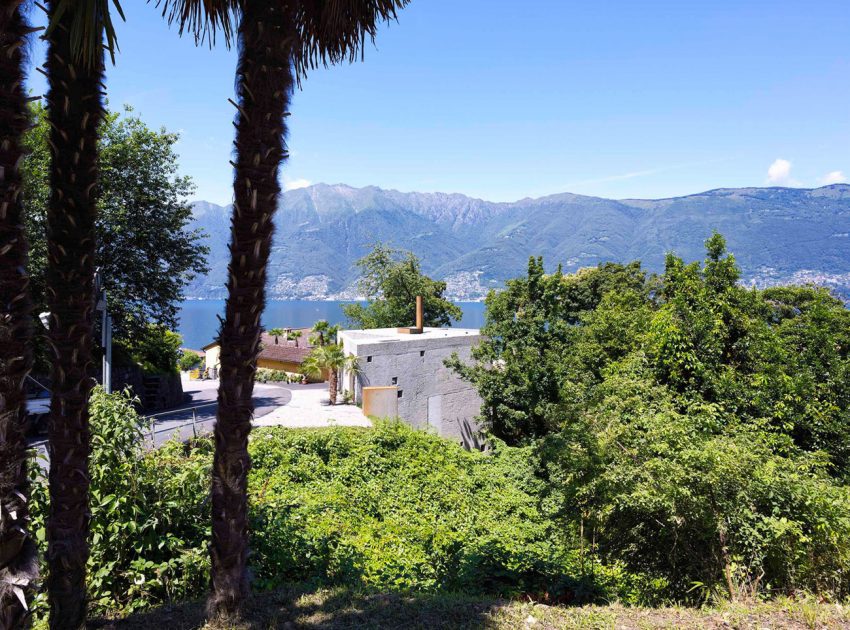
point(106, 330)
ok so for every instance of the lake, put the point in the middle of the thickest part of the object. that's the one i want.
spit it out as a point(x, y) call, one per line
point(198, 323)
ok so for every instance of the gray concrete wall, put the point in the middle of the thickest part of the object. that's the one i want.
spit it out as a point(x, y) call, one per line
point(430, 394)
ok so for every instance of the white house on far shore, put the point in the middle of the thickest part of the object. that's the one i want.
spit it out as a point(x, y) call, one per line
point(401, 374)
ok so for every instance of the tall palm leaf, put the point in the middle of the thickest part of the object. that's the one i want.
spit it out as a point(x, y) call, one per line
point(18, 558)
point(75, 70)
point(329, 359)
point(278, 42)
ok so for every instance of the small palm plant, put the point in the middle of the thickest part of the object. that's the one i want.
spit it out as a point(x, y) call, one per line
point(328, 360)
point(352, 366)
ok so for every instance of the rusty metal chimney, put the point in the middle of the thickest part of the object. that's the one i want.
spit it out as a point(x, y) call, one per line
point(419, 328)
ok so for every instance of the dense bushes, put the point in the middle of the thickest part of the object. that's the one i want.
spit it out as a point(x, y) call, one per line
point(693, 429)
point(388, 508)
point(149, 516)
point(269, 375)
point(155, 348)
point(732, 513)
point(397, 509)
point(189, 361)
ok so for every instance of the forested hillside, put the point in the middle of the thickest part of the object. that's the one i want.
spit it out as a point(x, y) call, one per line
point(783, 235)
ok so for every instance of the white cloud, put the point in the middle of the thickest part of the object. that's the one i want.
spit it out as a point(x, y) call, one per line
point(779, 173)
point(292, 184)
point(835, 177)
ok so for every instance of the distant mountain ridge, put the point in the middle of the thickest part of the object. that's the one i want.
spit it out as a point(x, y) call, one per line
point(778, 235)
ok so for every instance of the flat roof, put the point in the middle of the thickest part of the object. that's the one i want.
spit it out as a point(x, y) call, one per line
point(380, 335)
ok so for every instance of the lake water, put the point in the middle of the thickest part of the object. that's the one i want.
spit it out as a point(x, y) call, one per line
point(199, 325)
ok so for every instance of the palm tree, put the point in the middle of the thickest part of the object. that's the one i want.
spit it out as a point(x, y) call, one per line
point(326, 360)
point(278, 42)
point(352, 367)
point(276, 332)
point(323, 333)
point(293, 335)
point(75, 70)
point(18, 554)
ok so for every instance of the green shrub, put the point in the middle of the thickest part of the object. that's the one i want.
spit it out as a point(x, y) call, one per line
point(268, 375)
point(737, 513)
point(388, 508)
point(189, 361)
point(157, 349)
point(149, 516)
point(394, 508)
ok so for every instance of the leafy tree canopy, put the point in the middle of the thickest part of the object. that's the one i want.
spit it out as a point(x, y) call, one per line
point(391, 279)
point(146, 250)
point(690, 427)
point(525, 369)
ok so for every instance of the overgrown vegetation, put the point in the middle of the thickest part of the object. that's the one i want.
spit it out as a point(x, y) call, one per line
point(149, 513)
point(654, 439)
point(691, 428)
point(389, 508)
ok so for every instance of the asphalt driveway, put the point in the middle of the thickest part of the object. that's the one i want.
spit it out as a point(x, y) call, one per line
point(179, 421)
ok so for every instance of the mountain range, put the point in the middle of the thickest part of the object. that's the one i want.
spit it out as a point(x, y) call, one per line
point(778, 235)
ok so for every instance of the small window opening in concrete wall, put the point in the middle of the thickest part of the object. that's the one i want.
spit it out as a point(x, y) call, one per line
point(399, 393)
point(421, 353)
point(395, 380)
point(368, 359)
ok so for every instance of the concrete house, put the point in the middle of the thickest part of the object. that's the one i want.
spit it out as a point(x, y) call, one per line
point(401, 374)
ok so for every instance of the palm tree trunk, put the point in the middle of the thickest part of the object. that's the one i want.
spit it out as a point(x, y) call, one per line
point(74, 111)
point(264, 82)
point(332, 380)
point(18, 554)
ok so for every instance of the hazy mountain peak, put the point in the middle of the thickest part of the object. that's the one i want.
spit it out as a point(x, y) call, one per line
point(777, 235)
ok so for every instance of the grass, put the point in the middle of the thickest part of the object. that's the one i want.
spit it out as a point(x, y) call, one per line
point(298, 607)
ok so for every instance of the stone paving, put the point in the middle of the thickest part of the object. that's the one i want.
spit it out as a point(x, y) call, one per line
point(308, 408)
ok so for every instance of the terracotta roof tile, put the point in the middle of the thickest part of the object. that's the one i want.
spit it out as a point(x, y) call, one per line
point(285, 350)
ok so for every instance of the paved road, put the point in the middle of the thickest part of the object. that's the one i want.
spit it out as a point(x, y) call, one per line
point(203, 399)
point(178, 421)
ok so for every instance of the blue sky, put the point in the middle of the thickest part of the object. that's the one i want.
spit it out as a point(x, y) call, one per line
point(504, 99)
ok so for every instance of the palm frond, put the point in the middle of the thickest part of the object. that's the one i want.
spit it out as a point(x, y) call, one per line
point(333, 31)
point(202, 18)
point(90, 25)
point(327, 31)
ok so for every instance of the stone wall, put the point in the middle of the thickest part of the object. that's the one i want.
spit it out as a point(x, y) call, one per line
point(162, 391)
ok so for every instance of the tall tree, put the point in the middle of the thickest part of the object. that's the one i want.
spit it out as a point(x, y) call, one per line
point(145, 246)
point(75, 70)
point(278, 42)
point(18, 558)
point(391, 279)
